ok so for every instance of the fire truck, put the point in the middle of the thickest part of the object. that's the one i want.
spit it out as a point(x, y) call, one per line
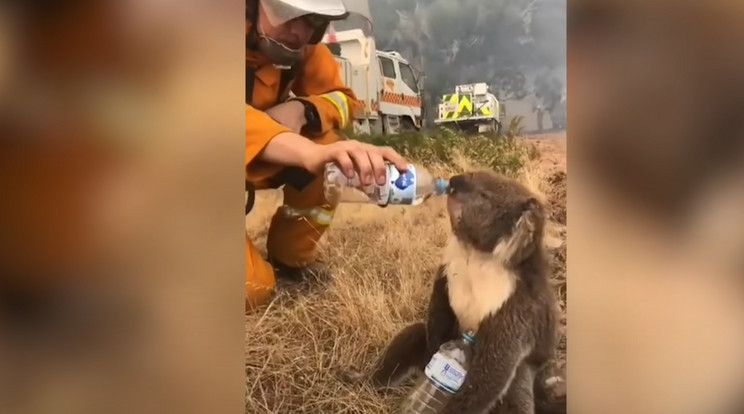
point(387, 86)
point(472, 108)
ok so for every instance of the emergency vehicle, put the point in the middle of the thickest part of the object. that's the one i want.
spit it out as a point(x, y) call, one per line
point(383, 81)
point(472, 108)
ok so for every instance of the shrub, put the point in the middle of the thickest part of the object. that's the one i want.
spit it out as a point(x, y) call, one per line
point(444, 146)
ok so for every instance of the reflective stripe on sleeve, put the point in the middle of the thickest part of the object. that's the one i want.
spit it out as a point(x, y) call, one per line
point(341, 102)
point(319, 215)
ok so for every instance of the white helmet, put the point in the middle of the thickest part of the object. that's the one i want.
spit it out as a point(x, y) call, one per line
point(319, 12)
point(282, 11)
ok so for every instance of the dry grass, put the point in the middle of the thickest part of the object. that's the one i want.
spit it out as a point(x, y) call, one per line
point(382, 263)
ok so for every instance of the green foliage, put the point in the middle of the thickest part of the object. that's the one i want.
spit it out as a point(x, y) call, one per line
point(502, 153)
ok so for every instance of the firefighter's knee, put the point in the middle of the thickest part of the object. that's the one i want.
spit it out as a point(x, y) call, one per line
point(298, 225)
point(260, 281)
point(293, 241)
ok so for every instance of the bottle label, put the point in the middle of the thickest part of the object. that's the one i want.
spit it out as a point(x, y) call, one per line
point(402, 187)
point(445, 372)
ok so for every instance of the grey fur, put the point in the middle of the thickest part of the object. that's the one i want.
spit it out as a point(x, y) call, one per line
point(498, 225)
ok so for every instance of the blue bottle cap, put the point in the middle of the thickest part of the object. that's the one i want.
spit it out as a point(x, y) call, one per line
point(441, 185)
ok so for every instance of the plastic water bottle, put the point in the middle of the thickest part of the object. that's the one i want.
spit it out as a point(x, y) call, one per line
point(411, 187)
point(444, 375)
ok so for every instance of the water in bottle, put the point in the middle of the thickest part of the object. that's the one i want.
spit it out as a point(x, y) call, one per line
point(410, 187)
point(444, 375)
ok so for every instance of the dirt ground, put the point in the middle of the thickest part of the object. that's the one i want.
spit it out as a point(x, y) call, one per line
point(381, 265)
point(552, 165)
point(552, 148)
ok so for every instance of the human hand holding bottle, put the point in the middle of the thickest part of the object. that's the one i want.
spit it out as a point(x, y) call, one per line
point(352, 156)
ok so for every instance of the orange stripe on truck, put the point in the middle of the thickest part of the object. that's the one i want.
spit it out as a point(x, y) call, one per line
point(401, 99)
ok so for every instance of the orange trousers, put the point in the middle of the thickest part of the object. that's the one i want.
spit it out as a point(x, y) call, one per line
point(294, 232)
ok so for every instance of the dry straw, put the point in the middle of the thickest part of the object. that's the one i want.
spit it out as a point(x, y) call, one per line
point(382, 262)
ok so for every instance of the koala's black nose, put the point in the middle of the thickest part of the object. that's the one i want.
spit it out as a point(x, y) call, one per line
point(458, 183)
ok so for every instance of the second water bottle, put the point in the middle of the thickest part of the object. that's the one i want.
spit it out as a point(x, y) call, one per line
point(444, 375)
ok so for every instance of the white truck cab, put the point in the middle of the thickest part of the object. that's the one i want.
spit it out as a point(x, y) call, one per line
point(383, 81)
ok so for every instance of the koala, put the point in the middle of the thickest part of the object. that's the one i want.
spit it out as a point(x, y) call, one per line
point(493, 280)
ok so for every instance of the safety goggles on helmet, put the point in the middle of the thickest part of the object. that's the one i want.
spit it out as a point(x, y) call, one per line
point(316, 12)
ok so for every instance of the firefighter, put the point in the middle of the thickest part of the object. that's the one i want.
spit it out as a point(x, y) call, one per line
point(288, 141)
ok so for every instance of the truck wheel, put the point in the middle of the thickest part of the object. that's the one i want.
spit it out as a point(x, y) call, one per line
point(407, 125)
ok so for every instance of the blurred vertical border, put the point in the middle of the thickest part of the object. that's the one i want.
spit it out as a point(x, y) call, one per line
point(121, 250)
point(656, 206)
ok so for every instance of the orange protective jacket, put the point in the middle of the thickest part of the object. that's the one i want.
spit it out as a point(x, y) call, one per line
point(318, 82)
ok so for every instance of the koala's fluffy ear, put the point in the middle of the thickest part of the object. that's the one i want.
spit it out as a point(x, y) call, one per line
point(532, 205)
point(533, 213)
point(526, 234)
